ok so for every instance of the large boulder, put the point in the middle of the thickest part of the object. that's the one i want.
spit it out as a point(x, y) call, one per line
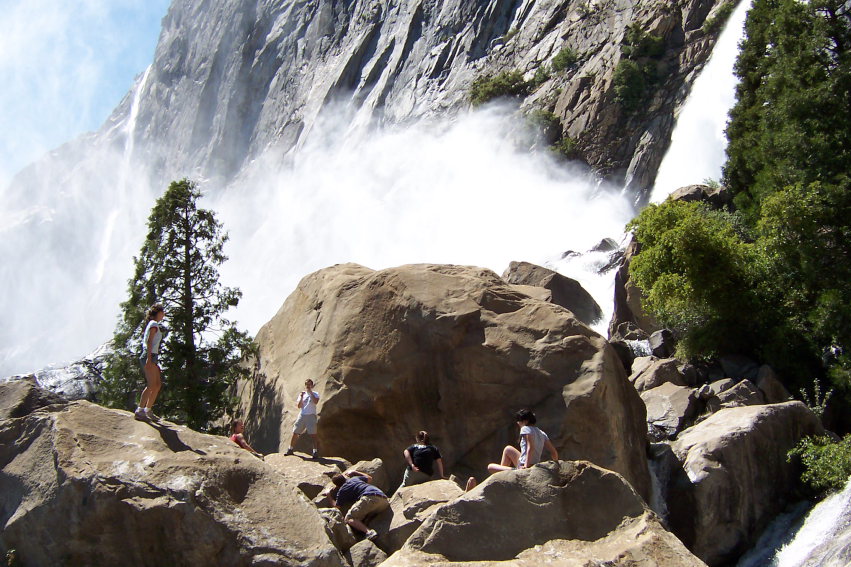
point(85, 485)
point(771, 387)
point(565, 291)
point(453, 350)
point(365, 554)
point(650, 372)
point(532, 516)
point(716, 197)
point(670, 408)
point(743, 393)
point(739, 476)
point(409, 507)
point(20, 397)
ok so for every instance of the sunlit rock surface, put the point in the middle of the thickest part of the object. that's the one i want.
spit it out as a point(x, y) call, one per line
point(450, 349)
point(552, 512)
point(85, 485)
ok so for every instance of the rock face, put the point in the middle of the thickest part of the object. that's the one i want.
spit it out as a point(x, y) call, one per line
point(566, 292)
point(553, 505)
point(738, 477)
point(84, 485)
point(449, 349)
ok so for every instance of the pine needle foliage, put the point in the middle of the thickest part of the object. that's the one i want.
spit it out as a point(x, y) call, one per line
point(178, 267)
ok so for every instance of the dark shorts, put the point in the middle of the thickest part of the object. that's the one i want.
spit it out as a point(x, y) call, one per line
point(144, 358)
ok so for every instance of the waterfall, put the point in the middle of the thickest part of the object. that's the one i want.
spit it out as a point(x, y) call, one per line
point(698, 143)
point(124, 175)
point(805, 536)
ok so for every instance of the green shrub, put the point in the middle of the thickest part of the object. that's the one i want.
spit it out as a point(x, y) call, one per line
point(630, 84)
point(542, 75)
point(638, 44)
point(506, 84)
point(566, 148)
point(564, 59)
point(827, 463)
point(718, 18)
point(700, 277)
point(818, 402)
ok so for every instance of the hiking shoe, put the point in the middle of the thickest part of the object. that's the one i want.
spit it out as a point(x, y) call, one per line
point(141, 415)
point(289, 452)
point(151, 416)
point(315, 455)
point(371, 535)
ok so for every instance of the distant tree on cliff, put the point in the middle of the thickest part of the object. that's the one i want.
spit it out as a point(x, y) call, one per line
point(178, 267)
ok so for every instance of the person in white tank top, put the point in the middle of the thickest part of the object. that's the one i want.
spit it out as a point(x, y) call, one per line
point(151, 339)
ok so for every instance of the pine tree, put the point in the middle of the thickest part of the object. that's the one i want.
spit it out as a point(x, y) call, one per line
point(792, 120)
point(178, 267)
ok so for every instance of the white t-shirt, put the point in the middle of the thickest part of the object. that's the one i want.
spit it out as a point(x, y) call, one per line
point(539, 438)
point(310, 407)
point(158, 336)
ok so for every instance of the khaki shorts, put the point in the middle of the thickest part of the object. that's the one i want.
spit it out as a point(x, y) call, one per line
point(305, 424)
point(366, 505)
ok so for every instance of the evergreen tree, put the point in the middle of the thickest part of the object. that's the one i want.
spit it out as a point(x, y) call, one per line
point(792, 120)
point(178, 267)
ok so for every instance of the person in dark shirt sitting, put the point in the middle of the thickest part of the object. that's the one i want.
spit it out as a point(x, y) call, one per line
point(421, 458)
point(355, 493)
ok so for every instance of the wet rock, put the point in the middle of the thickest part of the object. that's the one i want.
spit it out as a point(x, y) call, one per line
point(565, 291)
point(740, 478)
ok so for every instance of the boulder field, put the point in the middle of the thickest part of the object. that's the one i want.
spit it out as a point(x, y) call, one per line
point(451, 349)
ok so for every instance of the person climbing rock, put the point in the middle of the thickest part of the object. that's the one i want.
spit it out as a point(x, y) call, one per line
point(355, 493)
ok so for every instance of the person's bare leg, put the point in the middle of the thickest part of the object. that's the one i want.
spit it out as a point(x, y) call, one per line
point(155, 384)
point(358, 525)
point(471, 484)
point(152, 387)
point(294, 440)
point(510, 457)
point(314, 439)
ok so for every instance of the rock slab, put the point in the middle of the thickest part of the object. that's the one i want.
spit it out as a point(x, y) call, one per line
point(85, 485)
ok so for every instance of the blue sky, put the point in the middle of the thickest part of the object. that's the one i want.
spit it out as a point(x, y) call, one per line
point(64, 65)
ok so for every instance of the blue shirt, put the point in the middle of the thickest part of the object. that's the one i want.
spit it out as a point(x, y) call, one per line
point(353, 489)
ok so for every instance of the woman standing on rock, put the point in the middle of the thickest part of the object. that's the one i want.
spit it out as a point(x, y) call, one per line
point(151, 339)
point(421, 458)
